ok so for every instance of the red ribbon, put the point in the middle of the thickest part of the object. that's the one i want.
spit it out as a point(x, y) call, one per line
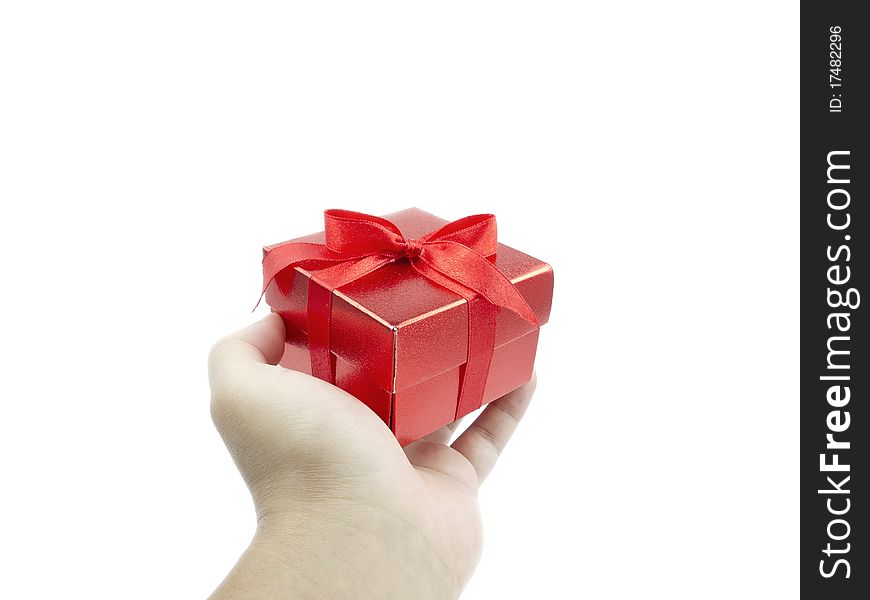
point(454, 256)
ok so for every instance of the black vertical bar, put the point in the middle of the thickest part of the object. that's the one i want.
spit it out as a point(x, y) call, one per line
point(834, 371)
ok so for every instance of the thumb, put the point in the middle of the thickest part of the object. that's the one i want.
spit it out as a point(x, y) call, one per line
point(232, 357)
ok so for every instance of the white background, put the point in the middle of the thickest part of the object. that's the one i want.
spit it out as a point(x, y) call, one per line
point(648, 150)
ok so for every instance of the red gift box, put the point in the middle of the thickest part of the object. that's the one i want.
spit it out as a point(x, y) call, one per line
point(397, 333)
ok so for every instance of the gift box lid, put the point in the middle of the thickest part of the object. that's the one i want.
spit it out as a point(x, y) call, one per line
point(401, 327)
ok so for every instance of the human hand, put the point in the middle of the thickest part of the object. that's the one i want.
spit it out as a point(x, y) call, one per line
point(342, 510)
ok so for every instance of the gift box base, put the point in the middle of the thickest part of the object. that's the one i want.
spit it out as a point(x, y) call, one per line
point(416, 411)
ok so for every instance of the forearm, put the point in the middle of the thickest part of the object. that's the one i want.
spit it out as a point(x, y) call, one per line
point(263, 571)
point(329, 562)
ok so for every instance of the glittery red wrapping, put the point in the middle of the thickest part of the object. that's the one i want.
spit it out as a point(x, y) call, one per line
point(398, 341)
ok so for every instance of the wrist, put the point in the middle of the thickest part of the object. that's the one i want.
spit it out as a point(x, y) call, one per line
point(340, 554)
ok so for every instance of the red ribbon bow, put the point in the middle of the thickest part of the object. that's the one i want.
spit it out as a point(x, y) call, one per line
point(454, 256)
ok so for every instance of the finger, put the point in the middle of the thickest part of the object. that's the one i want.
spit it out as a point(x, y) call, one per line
point(443, 435)
point(424, 452)
point(484, 440)
point(436, 458)
point(257, 344)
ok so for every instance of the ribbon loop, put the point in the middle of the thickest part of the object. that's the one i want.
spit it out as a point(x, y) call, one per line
point(349, 232)
point(478, 232)
point(456, 256)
